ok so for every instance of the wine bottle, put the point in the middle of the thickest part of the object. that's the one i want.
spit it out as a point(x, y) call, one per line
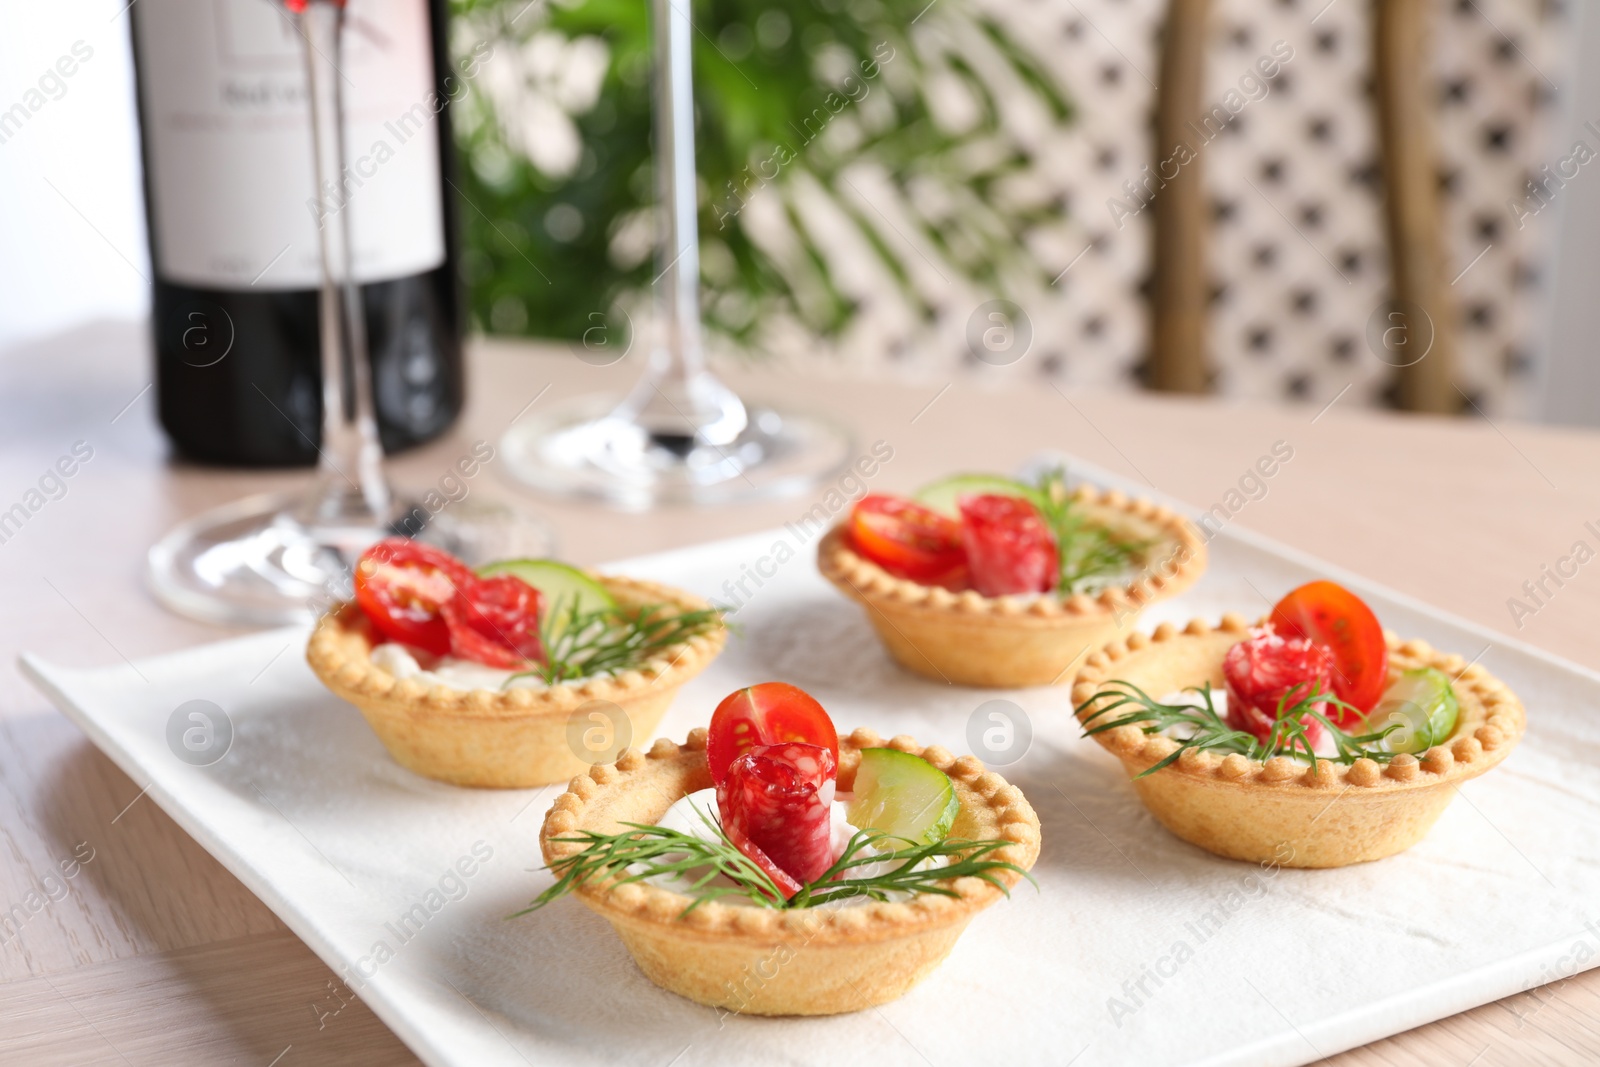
point(233, 209)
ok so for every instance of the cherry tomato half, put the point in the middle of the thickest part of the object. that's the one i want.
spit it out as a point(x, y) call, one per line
point(402, 586)
point(1010, 548)
point(908, 540)
point(772, 713)
point(1329, 614)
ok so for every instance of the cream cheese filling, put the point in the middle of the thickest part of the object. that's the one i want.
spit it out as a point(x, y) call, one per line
point(448, 671)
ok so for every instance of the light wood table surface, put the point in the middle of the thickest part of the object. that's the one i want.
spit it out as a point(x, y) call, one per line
point(155, 955)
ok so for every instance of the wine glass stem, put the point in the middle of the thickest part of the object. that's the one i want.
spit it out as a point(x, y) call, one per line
point(677, 401)
point(678, 256)
point(350, 489)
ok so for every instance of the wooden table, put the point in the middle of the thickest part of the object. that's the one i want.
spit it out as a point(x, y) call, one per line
point(155, 954)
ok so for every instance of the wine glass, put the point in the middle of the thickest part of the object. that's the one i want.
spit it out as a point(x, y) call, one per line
point(281, 558)
point(680, 435)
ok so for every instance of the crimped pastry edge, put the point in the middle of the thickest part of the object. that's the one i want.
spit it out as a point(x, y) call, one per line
point(866, 580)
point(341, 646)
point(1492, 721)
point(1001, 809)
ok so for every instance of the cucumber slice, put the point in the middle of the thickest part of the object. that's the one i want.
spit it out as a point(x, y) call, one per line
point(559, 584)
point(904, 795)
point(944, 495)
point(1422, 704)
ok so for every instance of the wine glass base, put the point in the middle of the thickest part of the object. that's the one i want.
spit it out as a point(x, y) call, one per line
point(250, 563)
point(584, 449)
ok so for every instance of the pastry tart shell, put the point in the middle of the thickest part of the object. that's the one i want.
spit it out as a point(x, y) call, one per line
point(1013, 642)
point(809, 961)
point(504, 739)
point(1283, 810)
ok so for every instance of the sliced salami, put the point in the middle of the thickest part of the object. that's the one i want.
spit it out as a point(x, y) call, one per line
point(495, 621)
point(776, 804)
point(1010, 548)
point(1268, 668)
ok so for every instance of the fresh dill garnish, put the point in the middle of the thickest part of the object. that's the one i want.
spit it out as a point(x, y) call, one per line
point(654, 851)
point(610, 640)
point(1200, 727)
point(661, 850)
point(1092, 555)
point(969, 859)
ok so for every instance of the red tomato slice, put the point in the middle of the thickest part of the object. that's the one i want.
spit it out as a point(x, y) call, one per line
point(495, 621)
point(402, 585)
point(907, 539)
point(1010, 548)
point(776, 806)
point(1329, 614)
point(1270, 669)
point(771, 713)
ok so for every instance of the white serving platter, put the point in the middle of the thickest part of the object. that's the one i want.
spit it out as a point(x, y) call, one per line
point(1136, 949)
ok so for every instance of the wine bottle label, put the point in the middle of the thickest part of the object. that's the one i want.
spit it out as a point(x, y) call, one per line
point(232, 183)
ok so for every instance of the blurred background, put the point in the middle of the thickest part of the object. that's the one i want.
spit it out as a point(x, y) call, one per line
point(877, 174)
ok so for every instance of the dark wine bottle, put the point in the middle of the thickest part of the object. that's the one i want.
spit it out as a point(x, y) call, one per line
point(232, 213)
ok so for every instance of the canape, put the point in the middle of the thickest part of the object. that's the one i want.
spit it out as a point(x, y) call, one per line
point(495, 678)
point(1335, 742)
point(986, 581)
point(760, 874)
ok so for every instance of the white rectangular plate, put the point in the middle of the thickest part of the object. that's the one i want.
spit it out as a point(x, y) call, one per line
point(1136, 948)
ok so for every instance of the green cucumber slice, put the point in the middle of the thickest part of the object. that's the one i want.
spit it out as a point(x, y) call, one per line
point(903, 795)
point(561, 585)
point(1420, 702)
point(945, 494)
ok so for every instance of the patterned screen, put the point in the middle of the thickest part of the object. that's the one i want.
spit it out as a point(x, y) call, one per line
point(1298, 256)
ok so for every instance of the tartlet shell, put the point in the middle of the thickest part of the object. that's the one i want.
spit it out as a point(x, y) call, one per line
point(504, 739)
point(761, 961)
point(1284, 811)
point(1013, 642)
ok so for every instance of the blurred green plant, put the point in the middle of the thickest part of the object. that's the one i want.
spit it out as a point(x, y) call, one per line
point(791, 100)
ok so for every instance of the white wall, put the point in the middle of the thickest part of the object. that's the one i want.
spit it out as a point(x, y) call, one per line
point(76, 251)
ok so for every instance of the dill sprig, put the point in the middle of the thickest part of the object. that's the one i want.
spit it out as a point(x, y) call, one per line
point(1092, 555)
point(581, 644)
point(644, 851)
point(1199, 726)
point(661, 850)
point(968, 859)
